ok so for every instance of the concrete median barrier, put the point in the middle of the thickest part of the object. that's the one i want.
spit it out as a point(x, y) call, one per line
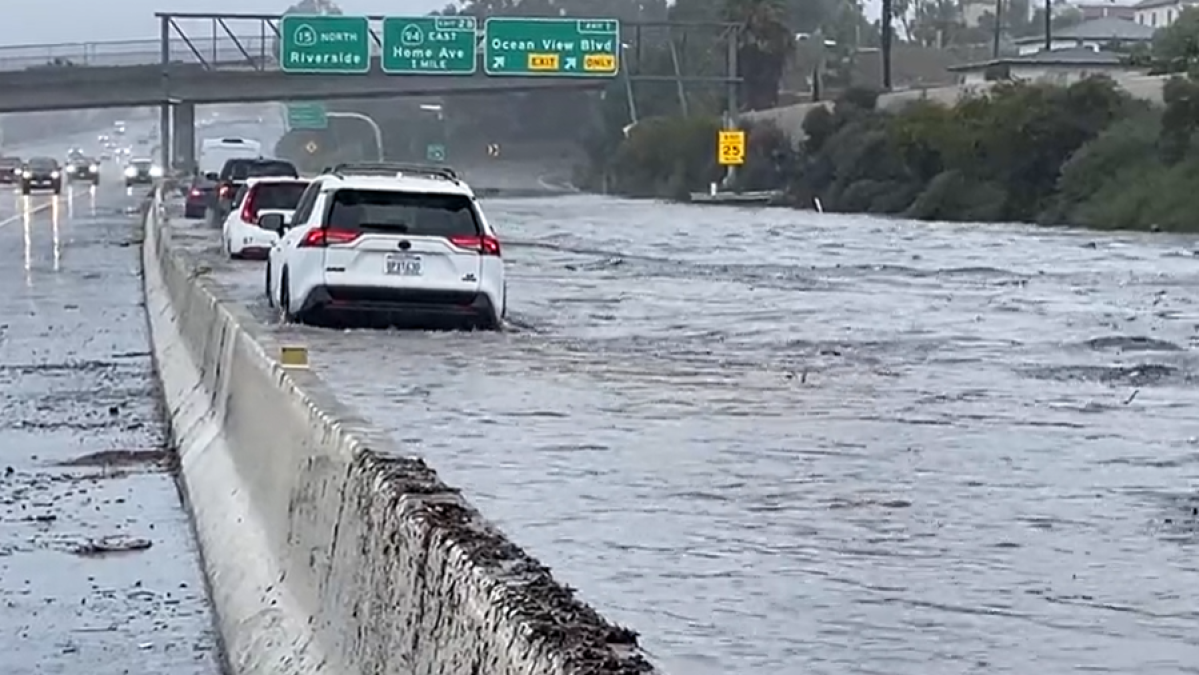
point(326, 549)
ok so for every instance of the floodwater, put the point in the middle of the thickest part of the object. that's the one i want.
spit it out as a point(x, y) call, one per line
point(98, 570)
point(775, 441)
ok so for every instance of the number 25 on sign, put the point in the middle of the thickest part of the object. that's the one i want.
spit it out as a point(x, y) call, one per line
point(731, 147)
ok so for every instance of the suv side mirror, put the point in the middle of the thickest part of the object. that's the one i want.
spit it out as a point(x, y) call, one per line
point(212, 176)
point(273, 222)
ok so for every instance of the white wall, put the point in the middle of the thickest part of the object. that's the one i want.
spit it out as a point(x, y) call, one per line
point(1063, 75)
point(1035, 47)
point(1159, 17)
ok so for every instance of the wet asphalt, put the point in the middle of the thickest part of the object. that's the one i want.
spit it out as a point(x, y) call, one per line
point(774, 441)
point(98, 569)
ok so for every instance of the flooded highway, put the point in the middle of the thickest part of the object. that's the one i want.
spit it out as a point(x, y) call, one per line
point(774, 441)
point(98, 570)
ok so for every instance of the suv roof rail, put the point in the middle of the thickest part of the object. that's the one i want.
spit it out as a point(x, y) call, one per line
point(392, 168)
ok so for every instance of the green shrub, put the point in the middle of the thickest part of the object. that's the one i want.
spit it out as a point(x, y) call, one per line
point(664, 157)
point(1094, 168)
point(953, 195)
point(1086, 154)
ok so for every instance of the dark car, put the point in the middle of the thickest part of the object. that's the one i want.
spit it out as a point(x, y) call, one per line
point(141, 172)
point(199, 194)
point(233, 176)
point(83, 168)
point(10, 170)
point(41, 173)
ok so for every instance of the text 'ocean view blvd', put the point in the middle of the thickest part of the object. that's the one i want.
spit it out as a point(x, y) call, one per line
point(425, 45)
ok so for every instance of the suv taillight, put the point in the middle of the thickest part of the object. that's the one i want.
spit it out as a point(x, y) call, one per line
point(249, 214)
point(485, 245)
point(321, 237)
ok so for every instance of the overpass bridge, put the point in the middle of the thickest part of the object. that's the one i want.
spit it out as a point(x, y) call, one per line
point(212, 58)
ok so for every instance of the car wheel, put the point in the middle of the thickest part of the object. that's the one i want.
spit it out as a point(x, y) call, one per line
point(26, 190)
point(285, 315)
point(270, 299)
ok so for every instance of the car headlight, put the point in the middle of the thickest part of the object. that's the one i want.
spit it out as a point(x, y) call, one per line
point(27, 175)
point(54, 174)
point(93, 168)
point(156, 171)
point(70, 169)
point(130, 172)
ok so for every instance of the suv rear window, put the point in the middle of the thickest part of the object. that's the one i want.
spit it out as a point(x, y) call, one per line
point(413, 213)
point(241, 169)
point(278, 195)
point(273, 195)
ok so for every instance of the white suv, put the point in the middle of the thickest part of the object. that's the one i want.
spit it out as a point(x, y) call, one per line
point(393, 243)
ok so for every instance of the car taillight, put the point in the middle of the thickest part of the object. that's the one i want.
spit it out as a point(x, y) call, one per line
point(194, 193)
point(249, 214)
point(485, 245)
point(322, 237)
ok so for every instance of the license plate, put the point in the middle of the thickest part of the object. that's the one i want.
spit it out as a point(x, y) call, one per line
point(404, 265)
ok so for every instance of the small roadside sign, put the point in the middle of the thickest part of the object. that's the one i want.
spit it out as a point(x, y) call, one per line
point(730, 147)
point(312, 147)
point(493, 149)
point(312, 116)
point(435, 152)
point(291, 356)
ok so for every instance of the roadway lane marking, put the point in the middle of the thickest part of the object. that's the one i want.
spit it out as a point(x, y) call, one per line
point(71, 196)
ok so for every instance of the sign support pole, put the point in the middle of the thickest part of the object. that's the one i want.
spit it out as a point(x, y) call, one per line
point(732, 105)
point(164, 111)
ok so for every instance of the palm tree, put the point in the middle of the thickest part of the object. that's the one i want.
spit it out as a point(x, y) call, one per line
point(764, 44)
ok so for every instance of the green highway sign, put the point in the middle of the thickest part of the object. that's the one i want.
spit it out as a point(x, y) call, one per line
point(328, 44)
point(307, 116)
point(429, 45)
point(551, 47)
point(435, 152)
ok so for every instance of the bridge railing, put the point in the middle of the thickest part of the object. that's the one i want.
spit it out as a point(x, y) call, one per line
point(243, 51)
point(251, 41)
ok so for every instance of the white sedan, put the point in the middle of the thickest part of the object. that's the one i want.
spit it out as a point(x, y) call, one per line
point(241, 234)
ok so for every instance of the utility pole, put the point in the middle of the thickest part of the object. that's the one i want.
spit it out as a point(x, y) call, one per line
point(886, 44)
point(998, 28)
point(1048, 25)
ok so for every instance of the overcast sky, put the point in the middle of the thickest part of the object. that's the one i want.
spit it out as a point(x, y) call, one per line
point(55, 21)
point(52, 21)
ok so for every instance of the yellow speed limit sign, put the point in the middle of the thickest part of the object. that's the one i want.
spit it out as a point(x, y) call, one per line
point(730, 150)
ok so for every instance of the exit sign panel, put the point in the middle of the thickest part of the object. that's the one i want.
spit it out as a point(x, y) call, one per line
point(551, 47)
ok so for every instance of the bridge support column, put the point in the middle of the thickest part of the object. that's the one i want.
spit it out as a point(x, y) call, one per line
point(184, 133)
point(164, 135)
